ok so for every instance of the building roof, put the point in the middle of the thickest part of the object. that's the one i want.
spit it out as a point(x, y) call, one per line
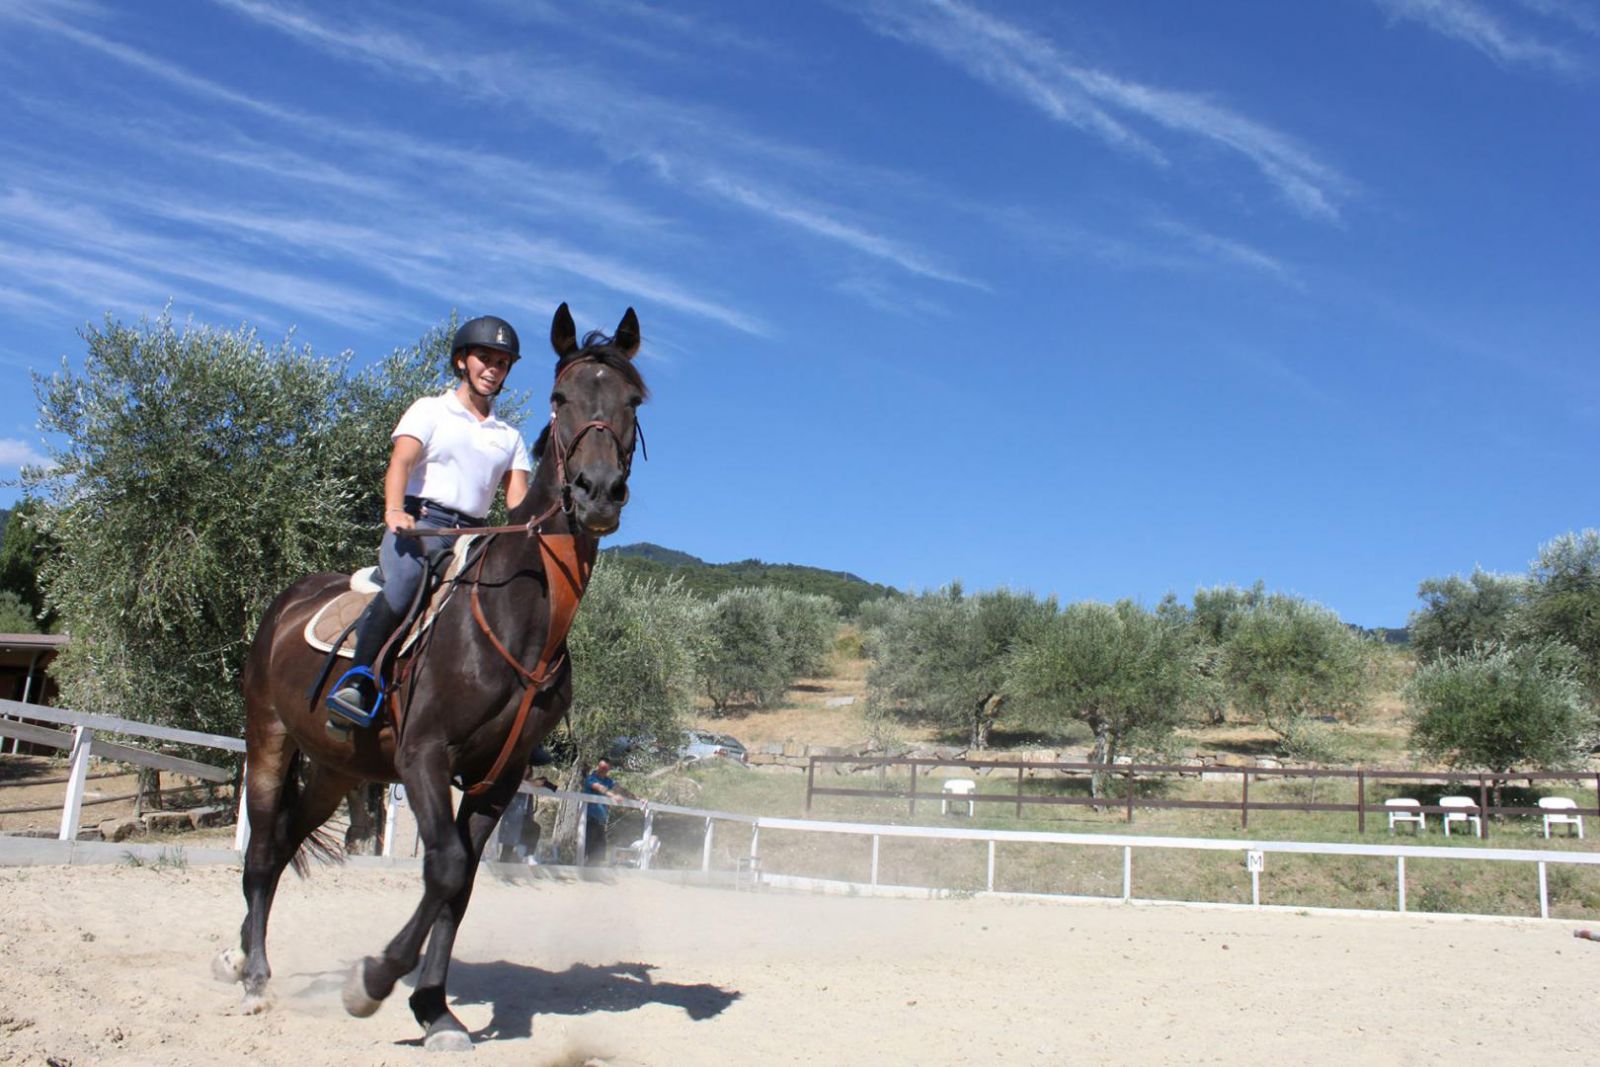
point(32, 642)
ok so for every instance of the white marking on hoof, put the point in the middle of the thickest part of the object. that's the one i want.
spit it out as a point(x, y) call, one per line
point(255, 1003)
point(448, 1041)
point(356, 1001)
point(228, 966)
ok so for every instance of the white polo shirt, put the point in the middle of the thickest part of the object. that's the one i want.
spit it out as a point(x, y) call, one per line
point(463, 458)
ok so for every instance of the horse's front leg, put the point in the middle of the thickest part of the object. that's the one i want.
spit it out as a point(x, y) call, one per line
point(446, 868)
point(475, 824)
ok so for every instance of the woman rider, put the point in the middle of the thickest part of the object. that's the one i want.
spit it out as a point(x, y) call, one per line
point(450, 454)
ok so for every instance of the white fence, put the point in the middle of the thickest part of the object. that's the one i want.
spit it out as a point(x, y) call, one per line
point(1252, 854)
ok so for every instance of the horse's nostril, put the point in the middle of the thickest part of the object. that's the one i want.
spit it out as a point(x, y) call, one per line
point(619, 491)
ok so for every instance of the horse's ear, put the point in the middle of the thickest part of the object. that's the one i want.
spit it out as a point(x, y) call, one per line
point(627, 336)
point(563, 333)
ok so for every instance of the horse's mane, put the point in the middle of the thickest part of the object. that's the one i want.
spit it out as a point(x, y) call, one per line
point(599, 348)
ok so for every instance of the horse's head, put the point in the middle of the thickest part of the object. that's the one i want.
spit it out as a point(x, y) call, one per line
point(592, 429)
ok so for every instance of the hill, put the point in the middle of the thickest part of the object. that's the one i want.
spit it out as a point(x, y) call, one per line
point(711, 579)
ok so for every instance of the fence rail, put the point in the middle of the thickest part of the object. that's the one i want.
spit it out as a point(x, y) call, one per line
point(83, 743)
point(1484, 783)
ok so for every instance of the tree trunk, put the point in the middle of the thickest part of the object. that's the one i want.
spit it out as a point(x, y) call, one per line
point(1103, 752)
point(566, 830)
point(983, 719)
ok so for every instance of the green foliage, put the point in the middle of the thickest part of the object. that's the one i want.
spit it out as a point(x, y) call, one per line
point(939, 657)
point(1126, 673)
point(633, 648)
point(759, 640)
point(1459, 613)
point(16, 616)
point(1563, 601)
point(23, 551)
point(711, 580)
point(1497, 707)
point(203, 471)
point(1288, 662)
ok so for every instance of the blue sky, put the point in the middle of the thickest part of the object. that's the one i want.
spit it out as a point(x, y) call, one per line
point(1095, 299)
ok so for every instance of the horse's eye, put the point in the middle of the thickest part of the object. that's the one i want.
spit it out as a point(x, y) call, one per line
point(558, 398)
point(635, 401)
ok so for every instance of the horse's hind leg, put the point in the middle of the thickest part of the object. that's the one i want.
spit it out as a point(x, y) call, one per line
point(443, 1031)
point(281, 817)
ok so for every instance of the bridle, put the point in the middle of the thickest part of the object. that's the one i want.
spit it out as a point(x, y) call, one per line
point(562, 455)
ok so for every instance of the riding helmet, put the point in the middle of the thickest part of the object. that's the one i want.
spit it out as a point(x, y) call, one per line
point(486, 331)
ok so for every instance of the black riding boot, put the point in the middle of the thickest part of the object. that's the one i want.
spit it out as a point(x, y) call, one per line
point(352, 703)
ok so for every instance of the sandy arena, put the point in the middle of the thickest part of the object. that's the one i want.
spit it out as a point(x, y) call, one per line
point(111, 965)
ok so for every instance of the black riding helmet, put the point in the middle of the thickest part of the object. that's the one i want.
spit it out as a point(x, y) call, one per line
point(486, 331)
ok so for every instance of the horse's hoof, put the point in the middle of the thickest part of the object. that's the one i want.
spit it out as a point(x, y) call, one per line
point(448, 1041)
point(356, 1000)
point(255, 1003)
point(228, 966)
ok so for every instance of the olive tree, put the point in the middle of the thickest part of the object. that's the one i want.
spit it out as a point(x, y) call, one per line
point(197, 473)
point(1458, 613)
point(1126, 673)
point(1290, 663)
point(939, 657)
point(1498, 707)
point(1563, 602)
point(25, 548)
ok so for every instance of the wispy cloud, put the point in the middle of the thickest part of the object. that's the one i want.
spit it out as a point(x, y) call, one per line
point(17, 453)
point(692, 147)
point(1475, 25)
point(1226, 250)
point(1028, 65)
point(1577, 13)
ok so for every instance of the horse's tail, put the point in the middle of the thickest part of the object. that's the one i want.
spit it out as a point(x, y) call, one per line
point(319, 843)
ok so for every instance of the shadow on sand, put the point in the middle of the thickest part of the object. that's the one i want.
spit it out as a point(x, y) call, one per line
point(517, 994)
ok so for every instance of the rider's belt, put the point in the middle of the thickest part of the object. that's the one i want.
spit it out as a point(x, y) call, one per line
point(416, 505)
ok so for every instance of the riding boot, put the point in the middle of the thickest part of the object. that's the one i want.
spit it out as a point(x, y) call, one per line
point(355, 699)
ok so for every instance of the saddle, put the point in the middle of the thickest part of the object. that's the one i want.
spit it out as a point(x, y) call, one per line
point(335, 621)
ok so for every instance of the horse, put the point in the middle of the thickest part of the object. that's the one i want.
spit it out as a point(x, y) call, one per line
point(489, 682)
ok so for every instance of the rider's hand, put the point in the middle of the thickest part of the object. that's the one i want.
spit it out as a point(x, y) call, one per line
point(398, 519)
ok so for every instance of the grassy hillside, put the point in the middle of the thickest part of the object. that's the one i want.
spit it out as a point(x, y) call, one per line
point(710, 579)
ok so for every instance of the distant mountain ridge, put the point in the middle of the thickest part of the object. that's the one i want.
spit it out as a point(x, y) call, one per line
point(712, 579)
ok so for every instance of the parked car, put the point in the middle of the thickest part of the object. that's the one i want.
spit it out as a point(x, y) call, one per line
point(699, 745)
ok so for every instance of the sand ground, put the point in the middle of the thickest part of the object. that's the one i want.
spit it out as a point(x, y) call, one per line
point(111, 965)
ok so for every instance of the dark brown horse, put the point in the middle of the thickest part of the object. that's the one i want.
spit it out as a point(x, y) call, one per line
point(490, 682)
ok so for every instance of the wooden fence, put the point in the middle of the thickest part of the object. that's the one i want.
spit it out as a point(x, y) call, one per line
point(82, 741)
point(1128, 778)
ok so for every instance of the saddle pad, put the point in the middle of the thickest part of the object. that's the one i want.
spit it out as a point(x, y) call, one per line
point(334, 616)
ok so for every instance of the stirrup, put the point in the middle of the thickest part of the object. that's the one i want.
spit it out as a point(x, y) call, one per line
point(364, 718)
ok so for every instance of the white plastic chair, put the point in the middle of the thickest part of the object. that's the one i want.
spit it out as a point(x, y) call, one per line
point(1558, 812)
point(637, 854)
point(960, 788)
point(1401, 809)
point(1468, 814)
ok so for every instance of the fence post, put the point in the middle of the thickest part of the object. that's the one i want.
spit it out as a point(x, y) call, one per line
point(1127, 873)
point(811, 780)
point(1244, 802)
point(874, 859)
point(72, 809)
point(1400, 877)
point(1019, 790)
point(241, 824)
point(648, 838)
point(705, 850)
point(1130, 794)
point(1361, 802)
point(991, 865)
point(1544, 893)
point(913, 789)
point(394, 795)
point(1483, 804)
